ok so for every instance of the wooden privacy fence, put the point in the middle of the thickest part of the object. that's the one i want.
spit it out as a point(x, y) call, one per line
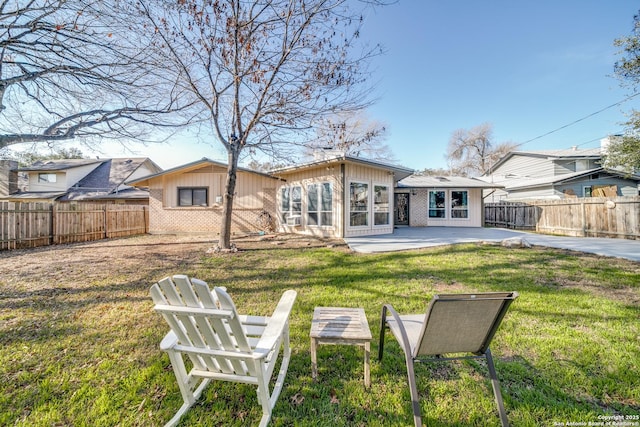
point(27, 225)
point(583, 217)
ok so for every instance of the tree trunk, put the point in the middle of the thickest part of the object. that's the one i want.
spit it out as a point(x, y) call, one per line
point(230, 189)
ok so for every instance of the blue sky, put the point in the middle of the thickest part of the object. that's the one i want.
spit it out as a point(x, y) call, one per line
point(526, 67)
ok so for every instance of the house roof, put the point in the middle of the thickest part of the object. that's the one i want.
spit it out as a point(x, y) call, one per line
point(419, 181)
point(569, 153)
point(522, 184)
point(106, 179)
point(190, 166)
point(58, 165)
point(35, 195)
point(130, 193)
point(398, 171)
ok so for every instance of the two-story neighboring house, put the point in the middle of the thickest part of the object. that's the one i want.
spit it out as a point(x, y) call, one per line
point(88, 180)
point(557, 174)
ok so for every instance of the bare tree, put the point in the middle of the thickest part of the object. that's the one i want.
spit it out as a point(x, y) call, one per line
point(472, 152)
point(353, 134)
point(433, 172)
point(67, 70)
point(263, 73)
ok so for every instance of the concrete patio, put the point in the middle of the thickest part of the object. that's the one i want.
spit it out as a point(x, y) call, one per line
point(405, 238)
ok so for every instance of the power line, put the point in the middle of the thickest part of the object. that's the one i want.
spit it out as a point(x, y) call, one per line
point(579, 120)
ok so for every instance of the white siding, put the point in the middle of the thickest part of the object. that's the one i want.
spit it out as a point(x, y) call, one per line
point(524, 167)
point(64, 179)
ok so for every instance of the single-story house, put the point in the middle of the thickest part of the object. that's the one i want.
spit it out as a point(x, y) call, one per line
point(449, 201)
point(338, 196)
point(334, 195)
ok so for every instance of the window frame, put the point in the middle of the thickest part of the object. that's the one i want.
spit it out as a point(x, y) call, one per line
point(448, 209)
point(47, 178)
point(378, 206)
point(361, 213)
point(192, 190)
point(323, 216)
point(289, 211)
point(453, 208)
point(443, 209)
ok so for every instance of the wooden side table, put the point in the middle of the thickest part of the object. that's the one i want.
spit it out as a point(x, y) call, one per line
point(344, 326)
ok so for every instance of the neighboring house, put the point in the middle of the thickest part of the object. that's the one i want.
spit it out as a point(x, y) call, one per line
point(557, 174)
point(451, 201)
point(85, 180)
point(331, 197)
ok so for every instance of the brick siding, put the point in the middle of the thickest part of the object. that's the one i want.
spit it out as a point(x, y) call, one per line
point(202, 220)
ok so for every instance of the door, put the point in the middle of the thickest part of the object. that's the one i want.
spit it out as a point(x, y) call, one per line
point(401, 209)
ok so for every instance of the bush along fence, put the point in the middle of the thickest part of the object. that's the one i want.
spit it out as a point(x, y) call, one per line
point(28, 225)
point(617, 217)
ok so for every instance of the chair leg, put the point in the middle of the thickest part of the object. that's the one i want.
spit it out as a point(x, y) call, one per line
point(189, 396)
point(496, 389)
point(383, 324)
point(413, 390)
point(263, 393)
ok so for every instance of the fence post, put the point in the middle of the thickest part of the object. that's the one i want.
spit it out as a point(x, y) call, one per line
point(54, 223)
point(584, 218)
point(51, 224)
point(145, 211)
point(106, 224)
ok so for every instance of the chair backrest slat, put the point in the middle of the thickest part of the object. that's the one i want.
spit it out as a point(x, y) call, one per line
point(462, 323)
point(207, 325)
point(235, 331)
point(170, 297)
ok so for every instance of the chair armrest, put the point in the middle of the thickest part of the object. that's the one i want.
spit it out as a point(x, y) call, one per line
point(169, 340)
point(277, 323)
point(406, 345)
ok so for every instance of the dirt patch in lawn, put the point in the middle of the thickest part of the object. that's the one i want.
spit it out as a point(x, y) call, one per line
point(137, 257)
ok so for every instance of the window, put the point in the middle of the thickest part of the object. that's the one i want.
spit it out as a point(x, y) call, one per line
point(197, 196)
point(381, 205)
point(358, 204)
point(291, 202)
point(459, 204)
point(319, 204)
point(586, 191)
point(47, 177)
point(437, 204)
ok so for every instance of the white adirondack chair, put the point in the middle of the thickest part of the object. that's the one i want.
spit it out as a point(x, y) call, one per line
point(220, 343)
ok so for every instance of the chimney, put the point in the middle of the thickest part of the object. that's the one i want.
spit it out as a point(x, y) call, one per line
point(605, 142)
point(327, 153)
point(8, 177)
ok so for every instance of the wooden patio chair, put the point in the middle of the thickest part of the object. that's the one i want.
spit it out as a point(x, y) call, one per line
point(460, 326)
point(219, 343)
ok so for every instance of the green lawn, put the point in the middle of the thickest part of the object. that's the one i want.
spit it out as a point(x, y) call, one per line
point(79, 345)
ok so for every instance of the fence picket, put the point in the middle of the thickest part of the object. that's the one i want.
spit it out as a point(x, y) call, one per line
point(617, 217)
point(28, 225)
